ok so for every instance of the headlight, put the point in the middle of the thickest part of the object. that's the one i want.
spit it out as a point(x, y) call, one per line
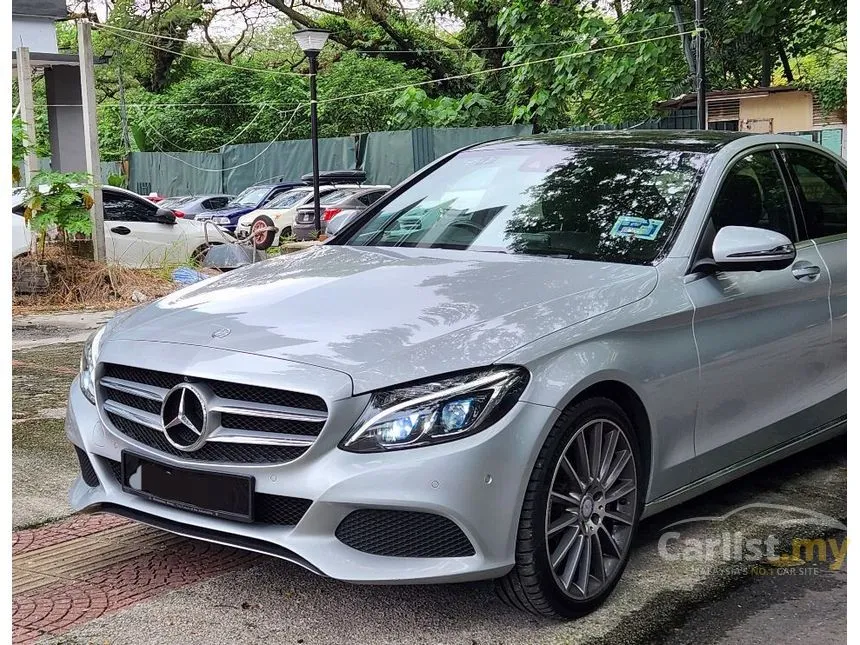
point(437, 411)
point(88, 365)
point(221, 220)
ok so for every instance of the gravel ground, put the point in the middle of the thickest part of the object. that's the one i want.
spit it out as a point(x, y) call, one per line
point(43, 461)
point(277, 602)
point(50, 329)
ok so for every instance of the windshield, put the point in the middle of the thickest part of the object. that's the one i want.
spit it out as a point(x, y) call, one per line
point(596, 203)
point(289, 198)
point(250, 196)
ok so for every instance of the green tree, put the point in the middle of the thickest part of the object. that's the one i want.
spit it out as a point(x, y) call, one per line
point(598, 69)
point(354, 74)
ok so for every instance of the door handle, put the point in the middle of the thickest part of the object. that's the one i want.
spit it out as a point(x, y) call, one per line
point(807, 272)
point(121, 230)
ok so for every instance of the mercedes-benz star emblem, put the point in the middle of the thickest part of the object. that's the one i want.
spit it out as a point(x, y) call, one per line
point(184, 417)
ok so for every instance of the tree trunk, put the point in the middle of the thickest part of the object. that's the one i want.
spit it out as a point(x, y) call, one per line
point(786, 65)
point(766, 68)
point(619, 9)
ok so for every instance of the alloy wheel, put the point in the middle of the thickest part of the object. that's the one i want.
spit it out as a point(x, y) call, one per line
point(591, 509)
point(259, 231)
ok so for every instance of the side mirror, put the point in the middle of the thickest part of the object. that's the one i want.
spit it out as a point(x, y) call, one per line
point(745, 248)
point(165, 216)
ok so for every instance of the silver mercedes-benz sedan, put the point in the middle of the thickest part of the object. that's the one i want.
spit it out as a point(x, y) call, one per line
point(495, 371)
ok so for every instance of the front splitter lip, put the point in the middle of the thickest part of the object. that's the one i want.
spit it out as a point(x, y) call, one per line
point(201, 533)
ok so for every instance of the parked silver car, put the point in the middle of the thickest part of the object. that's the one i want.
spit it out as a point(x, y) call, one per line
point(496, 372)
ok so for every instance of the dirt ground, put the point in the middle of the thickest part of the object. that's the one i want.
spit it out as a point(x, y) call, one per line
point(43, 461)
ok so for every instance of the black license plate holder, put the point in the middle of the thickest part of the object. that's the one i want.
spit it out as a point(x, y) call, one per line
point(221, 495)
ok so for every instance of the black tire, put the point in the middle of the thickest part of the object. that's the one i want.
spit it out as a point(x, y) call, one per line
point(264, 242)
point(285, 234)
point(199, 254)
point(532, 585)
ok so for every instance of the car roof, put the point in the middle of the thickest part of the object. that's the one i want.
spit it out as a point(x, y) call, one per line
point(706, 141)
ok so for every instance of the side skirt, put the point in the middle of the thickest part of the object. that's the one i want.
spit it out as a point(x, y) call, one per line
point(748, 465)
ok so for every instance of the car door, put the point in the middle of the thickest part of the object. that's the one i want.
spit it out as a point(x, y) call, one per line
point(134, 238)
point(762, 336)
point(819, 181)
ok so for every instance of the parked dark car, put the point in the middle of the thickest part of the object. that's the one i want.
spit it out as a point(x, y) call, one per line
point(249, 199)
point(190, 206)
point(352, 207)
point(348, 200)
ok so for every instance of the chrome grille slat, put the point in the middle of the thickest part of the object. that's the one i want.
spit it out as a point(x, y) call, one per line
point(225, 435)
point(134, 395)
point(231, 406)
point(133, 414)
point(150, 392)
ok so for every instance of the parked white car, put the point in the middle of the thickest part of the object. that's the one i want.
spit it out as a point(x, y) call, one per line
point(275, 221)
point(140, 235)
point(22, 238)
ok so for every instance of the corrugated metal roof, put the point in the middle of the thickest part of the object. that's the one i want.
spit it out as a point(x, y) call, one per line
point(40, 8)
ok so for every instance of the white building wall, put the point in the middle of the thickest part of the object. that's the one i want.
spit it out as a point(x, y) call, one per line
point(38, 34)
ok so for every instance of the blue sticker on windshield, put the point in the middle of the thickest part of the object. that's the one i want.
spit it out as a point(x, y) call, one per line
point(638, 227)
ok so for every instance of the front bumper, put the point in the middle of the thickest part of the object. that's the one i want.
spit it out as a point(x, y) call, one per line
point(242, 231)
point(477, 482)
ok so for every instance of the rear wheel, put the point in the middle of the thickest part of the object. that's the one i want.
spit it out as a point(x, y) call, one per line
point(580, 513)
point(263, 232)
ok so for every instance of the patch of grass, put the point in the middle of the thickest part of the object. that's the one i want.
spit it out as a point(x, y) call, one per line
point(42, 436)
point(41, 378)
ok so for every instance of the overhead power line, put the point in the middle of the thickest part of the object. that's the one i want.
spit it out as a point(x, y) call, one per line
point(251, 160)
point(419, 50)
point(441, 80)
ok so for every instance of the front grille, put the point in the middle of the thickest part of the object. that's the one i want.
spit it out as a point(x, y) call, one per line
point(87, 471)
point(250, 424)
point(406, 534)
point(224, 389)
point(237, 453)
point(268, 509)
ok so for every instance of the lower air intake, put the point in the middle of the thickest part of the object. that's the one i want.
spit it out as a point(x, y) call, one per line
point(405, 534)
point(87, 471)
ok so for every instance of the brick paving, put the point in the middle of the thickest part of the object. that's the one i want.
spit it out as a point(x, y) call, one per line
point(138, 563)
point(74, 527)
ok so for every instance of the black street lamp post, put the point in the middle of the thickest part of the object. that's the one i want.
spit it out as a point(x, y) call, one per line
point(311, 42)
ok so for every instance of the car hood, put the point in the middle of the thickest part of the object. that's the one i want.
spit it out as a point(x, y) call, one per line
point(227, 211)
point(386, 315)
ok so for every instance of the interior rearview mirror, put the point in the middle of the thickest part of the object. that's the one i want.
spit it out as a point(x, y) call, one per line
point(745, 248)
point(165, 216)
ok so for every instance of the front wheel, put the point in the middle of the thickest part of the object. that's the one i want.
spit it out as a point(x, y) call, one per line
point(580, 513)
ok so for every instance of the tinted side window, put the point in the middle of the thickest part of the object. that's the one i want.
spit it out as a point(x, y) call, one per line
point(122, 208)
point(753, 194)
point(368, 198)
point(821, 191)
point(215, 202)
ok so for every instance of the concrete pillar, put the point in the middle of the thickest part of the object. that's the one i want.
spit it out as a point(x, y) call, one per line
point(65, 118)
point(25, 96)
